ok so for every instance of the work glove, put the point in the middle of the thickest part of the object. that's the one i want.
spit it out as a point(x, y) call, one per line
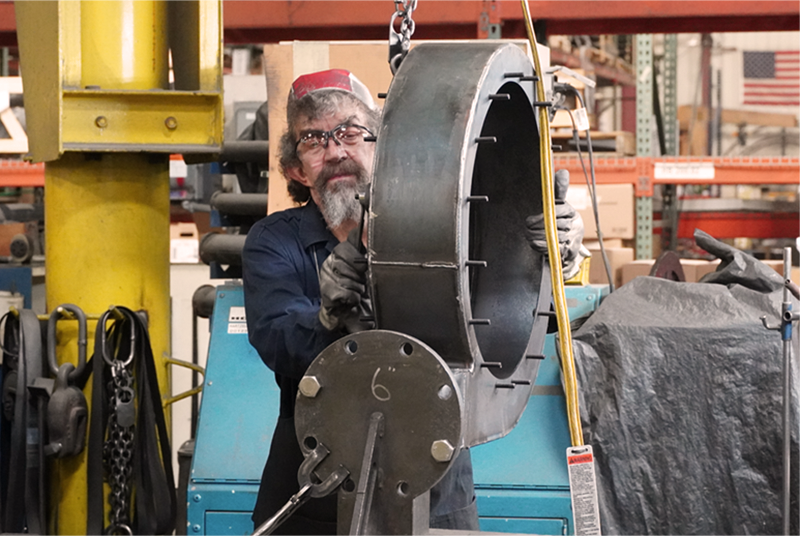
point(569, 225)
point(343, 287)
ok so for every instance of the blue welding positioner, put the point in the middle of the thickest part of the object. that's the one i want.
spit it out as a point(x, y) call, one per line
point(521, 480)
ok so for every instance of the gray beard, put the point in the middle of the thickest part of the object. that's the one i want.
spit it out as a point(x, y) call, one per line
point(338, 200)
point(339, 203)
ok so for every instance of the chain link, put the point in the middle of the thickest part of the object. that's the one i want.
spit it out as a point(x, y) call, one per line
point(118, 449)
point(400, 43)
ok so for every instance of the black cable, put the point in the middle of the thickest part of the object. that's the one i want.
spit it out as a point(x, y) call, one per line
point(593, 186)
point(3, 349)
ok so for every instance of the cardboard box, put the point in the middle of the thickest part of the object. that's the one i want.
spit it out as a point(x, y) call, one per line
point(607, 242)
point(634, 269)
point(691, 268)
point(707, 268)
point(617, 258)
point(615, 205)
point(184, 246)
point(776, 265)
point(183, 230)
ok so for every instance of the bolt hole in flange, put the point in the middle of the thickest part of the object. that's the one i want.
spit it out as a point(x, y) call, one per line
point(310, 442)
point(351, 347)
point(402, 488)
point(406, 349)
point(348, 485)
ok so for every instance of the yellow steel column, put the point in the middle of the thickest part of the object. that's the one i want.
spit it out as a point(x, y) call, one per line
point(107, 214)
point(107, 242)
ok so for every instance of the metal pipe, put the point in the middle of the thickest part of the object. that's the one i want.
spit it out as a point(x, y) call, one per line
point(786, 336)
point(245, 151)
point(718, 114)
point(222, 248)
point(240, 204)
point(124, 44)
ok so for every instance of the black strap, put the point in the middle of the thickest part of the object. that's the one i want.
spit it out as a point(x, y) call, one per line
point(34, 457)
point(25, 507)
point(97, 433)
point(14, 510)
point(155, 502)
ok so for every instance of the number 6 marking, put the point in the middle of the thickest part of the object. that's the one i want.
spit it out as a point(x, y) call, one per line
point(376, 386)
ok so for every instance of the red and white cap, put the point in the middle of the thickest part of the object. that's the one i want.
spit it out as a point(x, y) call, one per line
point(331, 79)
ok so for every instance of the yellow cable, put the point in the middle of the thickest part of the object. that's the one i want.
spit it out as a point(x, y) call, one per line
point(564, 333)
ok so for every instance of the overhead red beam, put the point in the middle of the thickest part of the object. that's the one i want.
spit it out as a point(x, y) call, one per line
point(461, 19)
point(312, 13)
point(647, 9)
point(8, 24)
point(699, 24)
point(302, 14)
point(275, 20)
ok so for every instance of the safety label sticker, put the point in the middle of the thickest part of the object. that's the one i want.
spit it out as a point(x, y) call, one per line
point(237, 322)
point(583, 490)
point(698, 171)
point(581, 119)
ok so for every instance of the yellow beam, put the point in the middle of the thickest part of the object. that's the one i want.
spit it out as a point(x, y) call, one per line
point(156, 121)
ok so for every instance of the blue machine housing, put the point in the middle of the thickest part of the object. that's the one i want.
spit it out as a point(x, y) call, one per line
point(521, 480)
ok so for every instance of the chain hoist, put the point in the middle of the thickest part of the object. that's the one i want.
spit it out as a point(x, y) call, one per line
point(119, 444)
point(400, 43)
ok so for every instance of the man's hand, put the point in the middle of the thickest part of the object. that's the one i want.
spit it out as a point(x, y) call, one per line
point(568, 224)
point(343, 285)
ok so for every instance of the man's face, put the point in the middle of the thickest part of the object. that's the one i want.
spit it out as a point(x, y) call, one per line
point(336, 173)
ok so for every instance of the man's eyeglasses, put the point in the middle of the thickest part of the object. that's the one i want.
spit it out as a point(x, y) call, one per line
point(314, 142)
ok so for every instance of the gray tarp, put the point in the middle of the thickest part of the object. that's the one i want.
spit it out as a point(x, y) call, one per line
point(681, 398)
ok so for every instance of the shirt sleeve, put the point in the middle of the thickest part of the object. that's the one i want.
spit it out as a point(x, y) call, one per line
point(281, 305)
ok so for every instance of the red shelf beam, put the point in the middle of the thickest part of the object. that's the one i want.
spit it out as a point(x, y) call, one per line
point(639, 171)
point(738, 224)
point(16, 173)
point(630, 170)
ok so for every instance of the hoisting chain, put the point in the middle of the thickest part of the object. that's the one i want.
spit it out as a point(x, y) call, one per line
point(118, 447)
point(400, 43)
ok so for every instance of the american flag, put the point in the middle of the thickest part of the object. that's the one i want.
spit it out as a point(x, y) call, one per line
point(772, 78)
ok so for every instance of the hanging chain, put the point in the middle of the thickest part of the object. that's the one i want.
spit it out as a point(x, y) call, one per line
point(400, 43)
point(118, 449)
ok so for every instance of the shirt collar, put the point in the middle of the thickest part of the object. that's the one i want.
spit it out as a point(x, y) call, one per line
point(313, 228)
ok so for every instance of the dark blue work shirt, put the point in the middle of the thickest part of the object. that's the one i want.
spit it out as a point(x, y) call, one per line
point(281, 259)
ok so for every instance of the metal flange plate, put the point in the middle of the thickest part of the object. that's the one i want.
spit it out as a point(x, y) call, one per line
point(398, 376)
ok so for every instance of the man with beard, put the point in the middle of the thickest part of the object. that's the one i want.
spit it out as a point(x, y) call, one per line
point(305, 283)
